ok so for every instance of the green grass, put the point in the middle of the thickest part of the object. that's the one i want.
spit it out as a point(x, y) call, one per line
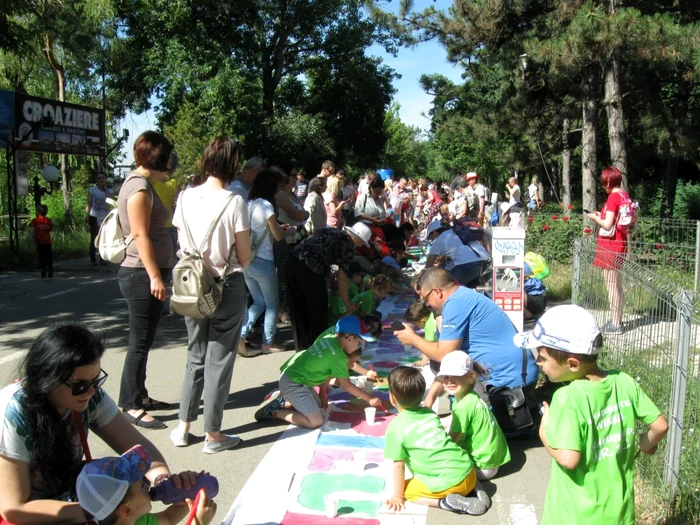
point(69, 243)
point(559, 282)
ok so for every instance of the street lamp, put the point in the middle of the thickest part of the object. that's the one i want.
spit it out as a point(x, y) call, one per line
point(522, 65)
point(50, 174)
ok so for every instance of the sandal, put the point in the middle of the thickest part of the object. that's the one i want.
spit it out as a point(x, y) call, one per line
point(152, 404)
point(137, 421)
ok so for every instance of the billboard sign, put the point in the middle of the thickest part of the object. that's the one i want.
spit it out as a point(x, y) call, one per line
point(50, 126)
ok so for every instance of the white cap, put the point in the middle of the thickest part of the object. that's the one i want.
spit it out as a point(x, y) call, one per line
point(362, 231)
point(456, 363)
point(434, 225)
point(568, 328)
point(471, 175)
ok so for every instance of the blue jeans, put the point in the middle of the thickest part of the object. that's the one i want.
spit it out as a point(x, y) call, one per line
point(261, 279)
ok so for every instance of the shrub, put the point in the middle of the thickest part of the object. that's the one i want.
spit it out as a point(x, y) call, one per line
point(552, 237)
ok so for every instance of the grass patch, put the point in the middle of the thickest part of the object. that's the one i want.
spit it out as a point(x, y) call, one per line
point(559, 282)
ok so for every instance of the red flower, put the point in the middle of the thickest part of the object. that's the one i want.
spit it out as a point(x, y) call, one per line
point(659, 246)
point(545, 227)
point(587, 230)
point(564, 218)
point(531, 219)
point(569, 206)
point(561, 204)
point(555, 217)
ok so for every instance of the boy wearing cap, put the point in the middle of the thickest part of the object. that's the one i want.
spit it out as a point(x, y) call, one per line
point(443, 473)
point(474, 428)
point(589, 429)
point(113, 491)
point(329, 357)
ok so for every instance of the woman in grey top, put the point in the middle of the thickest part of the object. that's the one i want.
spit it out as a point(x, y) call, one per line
point(144, 272)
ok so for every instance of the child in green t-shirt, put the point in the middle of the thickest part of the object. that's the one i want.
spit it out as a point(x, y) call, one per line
point(379, 288)
point(589, 429)
point(473, 426)
point(443, 473)
point(337, 308)
point(330, 357)
point(374, 327)
point(422, 317)
point(114, 491)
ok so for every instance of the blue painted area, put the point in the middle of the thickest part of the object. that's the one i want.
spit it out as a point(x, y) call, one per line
point(333, 440)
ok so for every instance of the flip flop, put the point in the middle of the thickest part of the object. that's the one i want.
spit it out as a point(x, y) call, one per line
point(137, 421)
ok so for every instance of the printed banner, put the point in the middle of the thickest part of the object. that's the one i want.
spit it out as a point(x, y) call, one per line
point(51, 126)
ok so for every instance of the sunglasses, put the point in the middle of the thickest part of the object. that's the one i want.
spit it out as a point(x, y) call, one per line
point(552, 341)
point(80, 387)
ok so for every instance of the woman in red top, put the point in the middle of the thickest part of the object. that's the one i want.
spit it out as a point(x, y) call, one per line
point(612, 245)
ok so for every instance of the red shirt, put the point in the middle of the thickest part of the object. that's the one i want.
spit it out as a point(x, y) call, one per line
point(42, 227)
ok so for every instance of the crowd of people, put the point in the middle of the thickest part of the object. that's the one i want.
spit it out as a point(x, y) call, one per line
point(322, 254)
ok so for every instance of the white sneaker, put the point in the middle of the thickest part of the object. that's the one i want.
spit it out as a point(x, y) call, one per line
point(179, 439)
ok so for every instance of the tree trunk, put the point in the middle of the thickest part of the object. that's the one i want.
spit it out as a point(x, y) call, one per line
point(616, 118)
point(566, 166)
point(589, 160)
point(671, 175)
point(60, 72)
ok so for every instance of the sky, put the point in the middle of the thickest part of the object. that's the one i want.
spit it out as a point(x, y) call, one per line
point(425, 58)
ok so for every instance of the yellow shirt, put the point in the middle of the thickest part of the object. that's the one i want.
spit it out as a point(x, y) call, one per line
point(167, 191)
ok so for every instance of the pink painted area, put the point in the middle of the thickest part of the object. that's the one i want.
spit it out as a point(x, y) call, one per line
point(292, 518)
point(385, 364)
point(359, 425)
point(324, 458)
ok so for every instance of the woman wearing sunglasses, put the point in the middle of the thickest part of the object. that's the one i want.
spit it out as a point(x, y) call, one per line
point(41, 449)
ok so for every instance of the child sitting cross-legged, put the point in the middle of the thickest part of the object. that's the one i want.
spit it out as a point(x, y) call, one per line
point(473, 426)
point(329, 357)
point(443, 473)
point(114, 491)
point(590, 427)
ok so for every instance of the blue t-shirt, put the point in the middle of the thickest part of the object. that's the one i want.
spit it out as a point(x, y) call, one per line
point(487, 336)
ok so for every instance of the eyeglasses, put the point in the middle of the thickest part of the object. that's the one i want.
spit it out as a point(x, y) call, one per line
point(552, 341)
point(425, 299)
point(80, 387)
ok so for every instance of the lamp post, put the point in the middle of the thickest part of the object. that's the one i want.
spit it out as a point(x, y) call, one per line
point(50, 174)
point(522, 65)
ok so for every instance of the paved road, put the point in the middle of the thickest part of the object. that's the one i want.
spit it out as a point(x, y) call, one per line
point(91, 296)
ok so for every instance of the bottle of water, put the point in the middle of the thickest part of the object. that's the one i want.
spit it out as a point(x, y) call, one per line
point(168, 493)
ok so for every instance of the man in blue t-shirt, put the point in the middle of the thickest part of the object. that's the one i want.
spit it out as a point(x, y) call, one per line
point(474, 324)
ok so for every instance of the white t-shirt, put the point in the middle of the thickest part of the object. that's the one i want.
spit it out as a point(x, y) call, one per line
point(17, 443)
point(532, 192)
point(514, 195)
point(260, 212)
point(238, 188)
point(449, 244)
point(363, 186)
point(99, 208)
point(201, 205)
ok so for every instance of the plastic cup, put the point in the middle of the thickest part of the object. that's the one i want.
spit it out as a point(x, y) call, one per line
point(369, 387)
point(361, 381)
point(407, 348)
point(331, 503)
point(370, 412)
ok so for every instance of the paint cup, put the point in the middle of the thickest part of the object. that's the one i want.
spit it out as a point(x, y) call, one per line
point(370, 412)
point(331, 503)
point(361, 381)
point(369, 387)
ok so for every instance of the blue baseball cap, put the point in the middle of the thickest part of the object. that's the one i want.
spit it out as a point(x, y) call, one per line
point(102, 483)
point(353, 325)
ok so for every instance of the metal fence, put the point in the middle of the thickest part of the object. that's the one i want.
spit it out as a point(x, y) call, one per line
point(660, 347)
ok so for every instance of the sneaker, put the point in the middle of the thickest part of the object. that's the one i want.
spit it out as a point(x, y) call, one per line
point(212, 447)
point(462, 505)
point(481, 495)
point(269, 410)
point(179, 439)
point(611, 329)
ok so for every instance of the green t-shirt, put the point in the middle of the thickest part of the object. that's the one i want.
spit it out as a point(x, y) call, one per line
point(417, 437)
point(336, 302)
point(482, 438)
point(323, 359)
point(596, 418)
point(147, 519)
point(330, 331)
point(430, 330)
point(366, 301)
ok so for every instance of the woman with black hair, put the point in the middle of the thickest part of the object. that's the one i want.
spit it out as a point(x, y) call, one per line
point(41, 447)
point(261, 276)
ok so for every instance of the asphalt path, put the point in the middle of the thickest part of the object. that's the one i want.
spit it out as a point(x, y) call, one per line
point(91, 296)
